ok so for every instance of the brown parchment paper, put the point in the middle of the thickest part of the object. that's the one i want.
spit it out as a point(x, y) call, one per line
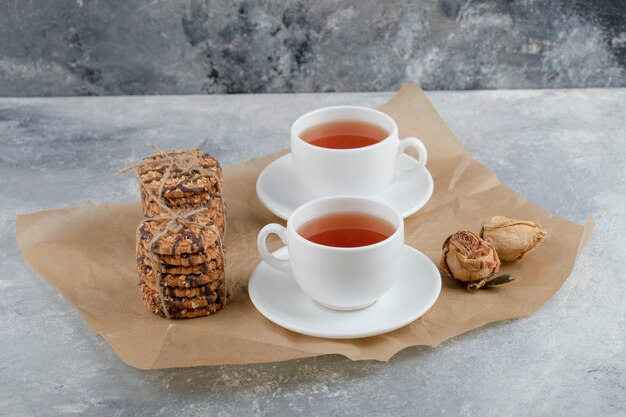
point(88, 254)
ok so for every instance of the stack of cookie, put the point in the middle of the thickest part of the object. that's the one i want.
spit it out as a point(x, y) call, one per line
point(180, 256)
point(183, 181)
point(181, 267)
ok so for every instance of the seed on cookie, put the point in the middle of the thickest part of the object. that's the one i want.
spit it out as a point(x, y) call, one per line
point(166, 238)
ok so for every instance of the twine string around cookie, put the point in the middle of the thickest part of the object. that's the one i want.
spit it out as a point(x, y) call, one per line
point(184, 162)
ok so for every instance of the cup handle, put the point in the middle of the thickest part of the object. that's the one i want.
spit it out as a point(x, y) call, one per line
point(274, 262)
point(416, 144)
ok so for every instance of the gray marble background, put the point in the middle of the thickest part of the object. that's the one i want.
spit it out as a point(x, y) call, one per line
point(90, 47)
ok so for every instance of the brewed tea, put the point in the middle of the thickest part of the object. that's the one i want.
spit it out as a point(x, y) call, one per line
point(344, 134)
point(347, 230)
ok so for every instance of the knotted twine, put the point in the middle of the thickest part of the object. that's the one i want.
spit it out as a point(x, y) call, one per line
point(185, 162)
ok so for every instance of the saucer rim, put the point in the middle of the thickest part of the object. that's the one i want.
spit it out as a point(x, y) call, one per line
point(357, 335)
point(265, 200)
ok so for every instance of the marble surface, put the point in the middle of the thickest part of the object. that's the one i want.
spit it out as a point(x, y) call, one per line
point(564, 149)
point(90, 47)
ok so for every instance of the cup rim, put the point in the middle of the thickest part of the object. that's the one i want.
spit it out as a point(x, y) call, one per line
point(393, 131)
point(399, 229)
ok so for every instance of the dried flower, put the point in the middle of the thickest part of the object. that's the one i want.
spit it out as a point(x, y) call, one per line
point(512, 238)
point(470, 260)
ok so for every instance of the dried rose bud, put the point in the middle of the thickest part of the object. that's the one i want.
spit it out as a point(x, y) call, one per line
point(512, 238)
point(469, 259)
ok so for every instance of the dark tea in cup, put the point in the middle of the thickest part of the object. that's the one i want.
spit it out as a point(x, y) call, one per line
point(346, 230)
point(344, 134)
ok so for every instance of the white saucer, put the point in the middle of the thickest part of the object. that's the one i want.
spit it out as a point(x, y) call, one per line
point(277, 296)
point(279, 190)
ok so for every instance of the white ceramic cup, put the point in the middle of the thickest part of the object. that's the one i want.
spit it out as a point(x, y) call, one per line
point(358, 171)
point(335, 277)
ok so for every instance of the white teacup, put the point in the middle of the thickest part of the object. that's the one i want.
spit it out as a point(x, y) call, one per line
point(361, 171)
point(337, 277)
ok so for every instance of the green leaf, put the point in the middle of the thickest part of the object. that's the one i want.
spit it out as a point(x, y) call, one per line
point(499, 280)
point(482, 229)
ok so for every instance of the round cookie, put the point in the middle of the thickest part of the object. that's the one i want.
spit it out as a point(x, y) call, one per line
point(202, 178)
point(184, 202)
point(187, 238)
point(179, 303)
point(192, 292)
point(183, 314)
point(180, 280)
point(152, 301)
point(185, 259)
point(205, 268)
point(214, 212)
point(187, 263)
point(215, 261)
